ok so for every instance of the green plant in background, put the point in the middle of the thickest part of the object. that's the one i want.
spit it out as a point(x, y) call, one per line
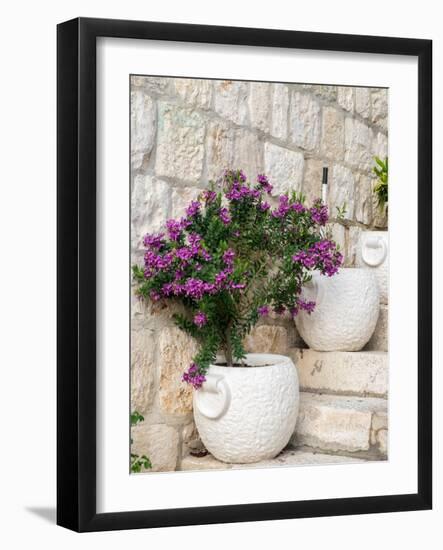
point(138, 462)
point(381, 187)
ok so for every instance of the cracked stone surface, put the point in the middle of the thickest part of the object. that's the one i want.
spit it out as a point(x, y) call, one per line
point(362, 373)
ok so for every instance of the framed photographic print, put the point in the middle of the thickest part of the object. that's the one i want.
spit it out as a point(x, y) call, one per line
point(244, 274)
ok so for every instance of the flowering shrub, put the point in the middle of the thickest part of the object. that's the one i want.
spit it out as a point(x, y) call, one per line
point(231, 259)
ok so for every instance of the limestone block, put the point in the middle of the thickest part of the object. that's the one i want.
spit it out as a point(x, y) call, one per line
point(352, 245)
point(176, 350)
point(259, 101)
point(341, 191)
point(154, 85)
point(248, 153)
point(304, 121)
point(139, 306)
point(380, 145)
point(142, 370)
point(345, 98)
point(380, 214)
point(336, 423)
point(358, 150)
point(143, 127)
point(150, 207)
point(329, 93)
point(267, 339)
point(379, 340)
point(231, 100)
point(379, 432)
point(363, 199)
point(194, 91)
point(359, 373)
point(380, 108)
point(312, 180)
point(180, 143)
point(181, 197)
point(284, 168)
point(280, 110)
point(332, 135)
point(338, 235)
point(158, 442)
point(219, 148)
point(363, 102)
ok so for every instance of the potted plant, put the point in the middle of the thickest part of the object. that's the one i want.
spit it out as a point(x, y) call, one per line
point(229, 260)
point(346, 312)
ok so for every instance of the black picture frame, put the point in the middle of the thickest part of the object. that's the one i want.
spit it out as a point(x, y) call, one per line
point(76, 280)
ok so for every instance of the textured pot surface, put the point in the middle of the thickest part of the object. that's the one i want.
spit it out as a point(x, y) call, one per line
point(346, 310)
point(373, 253)
point(248, 414)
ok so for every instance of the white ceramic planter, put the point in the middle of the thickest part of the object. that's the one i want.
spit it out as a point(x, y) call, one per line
point(346, 311)
point(248, 414)
point(373, 253)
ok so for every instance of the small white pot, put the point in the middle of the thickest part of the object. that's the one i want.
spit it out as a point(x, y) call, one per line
point(373, 253)
point(248, 414)
point(346, 311)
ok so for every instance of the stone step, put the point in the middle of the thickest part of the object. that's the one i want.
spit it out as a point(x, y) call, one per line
point(363, 373)
point(288, 457)
point(342, 424)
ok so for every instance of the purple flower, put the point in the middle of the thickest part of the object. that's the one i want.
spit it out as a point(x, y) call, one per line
point(224, 216)
point(155, 295)
point(228, 257)
point(263, 181)
point(200, 319)
point(263, 310)
point(174, 228)
point(184, 253)
point(154, 241)
point(307, 306)
point(236, 286)
point(264, 206)
point(209, 196)
point(298, 207)
point(193, 209)
point(322, 255)
point(319, 213)
point(221, 277)
point(283, 207)
point(205, 255)
point(193, 376)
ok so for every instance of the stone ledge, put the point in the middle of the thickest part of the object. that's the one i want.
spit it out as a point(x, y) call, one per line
point(337, 423)
point(288, 457)
point(362, 373)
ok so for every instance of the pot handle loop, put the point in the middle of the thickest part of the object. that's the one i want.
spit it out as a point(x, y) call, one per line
point(213, 408)
point(374, 251)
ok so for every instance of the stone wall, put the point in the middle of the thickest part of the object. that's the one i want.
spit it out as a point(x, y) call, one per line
point(185, 132)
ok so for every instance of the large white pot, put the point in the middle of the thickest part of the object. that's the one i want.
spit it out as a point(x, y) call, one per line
point(346, 311)
point(373, 253)
point(248, 414)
